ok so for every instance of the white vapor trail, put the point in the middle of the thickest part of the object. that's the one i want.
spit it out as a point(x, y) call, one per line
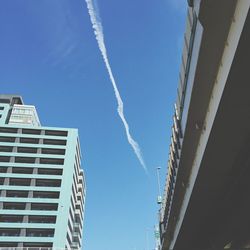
point(98, 30)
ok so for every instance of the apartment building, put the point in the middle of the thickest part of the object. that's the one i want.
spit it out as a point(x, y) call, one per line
point(42, 185)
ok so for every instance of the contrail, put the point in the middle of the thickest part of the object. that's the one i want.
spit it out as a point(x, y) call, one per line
point(98, 30)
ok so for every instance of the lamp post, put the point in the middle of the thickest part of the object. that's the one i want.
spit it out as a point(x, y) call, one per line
point(159, 201)
point(159, 198)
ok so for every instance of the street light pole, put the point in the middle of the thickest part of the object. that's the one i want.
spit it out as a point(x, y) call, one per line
point(159, 199)
point(158, 178)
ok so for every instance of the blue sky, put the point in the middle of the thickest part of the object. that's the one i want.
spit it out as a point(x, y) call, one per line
point(49, 55)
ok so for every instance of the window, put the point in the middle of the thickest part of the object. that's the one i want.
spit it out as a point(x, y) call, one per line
point(42, 219)
point(79, 207)
point(1, 108)
point(34, 232)
point(7, 139)
point(25, 159)
point(4, 158)
point(53, 151)
point(19, 182)
point(11, 218)
point(14, 205)
point(5, 149)
point(21, 170)
point(1, 181)
point(31, 131)
point(51, 161)
point(48, 183)
point(50, 171)
point(29, 140)
point(6, 245)
point(10, 231)
point(56, 132)
point(38, 245)
point(54, 142)
point(26, 150)
point(17, 193)
point(78, 218)
point(44, 206)
point(47, 195)
point(3, 169)
point(8, 130)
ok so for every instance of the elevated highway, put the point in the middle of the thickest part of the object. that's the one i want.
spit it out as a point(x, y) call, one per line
point(207, 195)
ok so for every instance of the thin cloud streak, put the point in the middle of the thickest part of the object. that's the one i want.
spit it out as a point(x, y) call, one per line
point(98, 30)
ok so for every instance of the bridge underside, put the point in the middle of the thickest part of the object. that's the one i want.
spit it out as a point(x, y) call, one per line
point(218, 213)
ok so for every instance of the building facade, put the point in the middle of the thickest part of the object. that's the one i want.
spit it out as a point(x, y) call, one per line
point(42, 185)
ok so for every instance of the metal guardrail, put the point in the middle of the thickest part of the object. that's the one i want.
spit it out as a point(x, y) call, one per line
point(174, 155)
point(177, 133)
point(186, 59)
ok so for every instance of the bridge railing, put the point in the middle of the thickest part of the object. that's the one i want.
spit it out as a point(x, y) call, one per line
point(191, 23)
point(177, 130)
point(173, 162)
